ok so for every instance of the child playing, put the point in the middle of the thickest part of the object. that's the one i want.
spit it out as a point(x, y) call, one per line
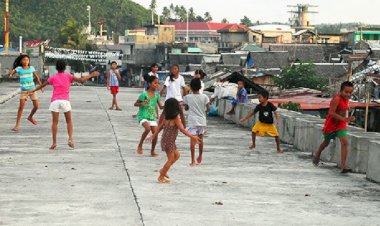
point(241, 97)
point(113, 78)
point(170, 124)
point(265, 124)
point(173, 84)
point(147, 103)
point(336, 124)
point(153, 72)
point(22, 67)
point(60, 99)
point(201, 75)
point(197, 104)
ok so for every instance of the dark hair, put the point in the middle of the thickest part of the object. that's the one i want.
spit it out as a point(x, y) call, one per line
point(195, 84)
point(60, 65)
point(346, 84)
point(17, 62)
point(171, 74)
point(113, 62)
point(153, 65)
point(264, 93)
point(201, 72)
point(149, 80)
point(171, 109)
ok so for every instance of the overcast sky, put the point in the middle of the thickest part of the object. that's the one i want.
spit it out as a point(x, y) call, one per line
point(329, 11)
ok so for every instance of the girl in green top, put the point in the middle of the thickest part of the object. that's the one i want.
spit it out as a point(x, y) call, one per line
point(147, 116)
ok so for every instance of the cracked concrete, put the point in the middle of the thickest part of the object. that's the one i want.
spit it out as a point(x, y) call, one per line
point(103, 182)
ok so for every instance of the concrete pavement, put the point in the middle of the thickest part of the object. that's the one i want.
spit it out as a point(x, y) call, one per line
point(103, 182)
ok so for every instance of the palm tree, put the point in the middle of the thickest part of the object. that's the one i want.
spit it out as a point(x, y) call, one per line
point(166, 13)
point(153, 6)
point(207, 17)
point(71, 36)
point(224, 20)
point(192, 16)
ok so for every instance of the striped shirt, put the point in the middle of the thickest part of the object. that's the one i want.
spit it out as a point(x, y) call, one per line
point(113, 79)
point(26, 78)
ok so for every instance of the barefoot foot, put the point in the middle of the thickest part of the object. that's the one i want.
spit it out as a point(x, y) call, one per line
point(154, 154)
point(139, 150)
point(32, 120)
point(163, 180)
point(15, 130)
point(53, 146)
point(253, 146)
point(199, 160)
point(166, 175)
point(70, 143)
point(192, 164)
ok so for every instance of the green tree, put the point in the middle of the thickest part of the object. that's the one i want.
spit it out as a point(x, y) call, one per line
point(207, 17)
point(166, 14)
point(152, 7)
point(224, 20)
point(71, 35)
point(302, 75)
point(192, 16)
point(246, 21)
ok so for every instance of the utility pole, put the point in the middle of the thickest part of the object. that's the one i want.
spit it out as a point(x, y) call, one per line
point(6, 28)
point(89, 19)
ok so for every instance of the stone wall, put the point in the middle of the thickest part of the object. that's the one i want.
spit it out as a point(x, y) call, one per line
point(304, 132)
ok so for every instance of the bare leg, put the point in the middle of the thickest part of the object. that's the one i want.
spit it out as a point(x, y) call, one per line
point(182, 116)
point(232, 111)
point(253, 146)
point(317, 154)
point(19, 114)
point(115, 102)
point(34, 110)
point(200, 146)
point(343, 151)
point(278, 144)
point(163, 172)
point(69, 124)
point(154, 142)
point(54, 128)
point(143, 137)
point(192, 151)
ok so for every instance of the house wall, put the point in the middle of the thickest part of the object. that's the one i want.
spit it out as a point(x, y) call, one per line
point(234, 37)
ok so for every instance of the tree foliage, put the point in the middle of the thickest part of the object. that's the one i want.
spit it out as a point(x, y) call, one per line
point(246, 21)
point(302, 75)
point(178, 13)
point(36, 19)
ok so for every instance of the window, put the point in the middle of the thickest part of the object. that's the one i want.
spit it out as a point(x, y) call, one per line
point(376, 37)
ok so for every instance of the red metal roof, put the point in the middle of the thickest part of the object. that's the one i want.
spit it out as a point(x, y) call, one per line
point(316, 103)
point(234, 28)
point(204, 26)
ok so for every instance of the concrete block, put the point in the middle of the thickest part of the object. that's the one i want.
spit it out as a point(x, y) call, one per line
point(221, 107)
point(373, 169)
point(358, 148)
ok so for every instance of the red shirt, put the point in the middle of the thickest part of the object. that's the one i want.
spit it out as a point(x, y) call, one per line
point(333, 125)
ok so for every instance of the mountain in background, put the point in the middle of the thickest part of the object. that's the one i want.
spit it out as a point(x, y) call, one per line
point(36, 19)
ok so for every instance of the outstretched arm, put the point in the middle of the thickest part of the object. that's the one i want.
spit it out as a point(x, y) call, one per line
point(40, 87)
point(179, 124)
point(162, 90)
point(11, 73)
point(247, 116)
point(37, 78)
point(84, 78)
point(277, 117)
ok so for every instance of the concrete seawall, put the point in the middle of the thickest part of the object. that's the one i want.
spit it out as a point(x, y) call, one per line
point(304, 132)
